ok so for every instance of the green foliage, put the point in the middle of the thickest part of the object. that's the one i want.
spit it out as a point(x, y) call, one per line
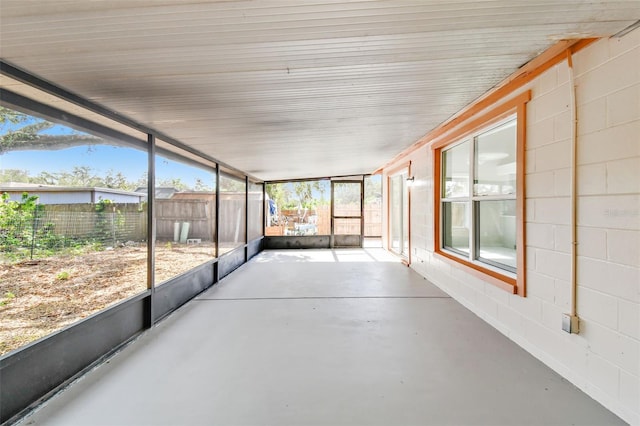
point(102, 204)
point(14, 175)
point(109, 221)
point(279, 193)
point(62, 276)
point(16, 221)
point(8, 297)
point(22, 236)
point(116, 181)
point(10, 116)
point(303, 194)
point(176, 183)
point(46, 238)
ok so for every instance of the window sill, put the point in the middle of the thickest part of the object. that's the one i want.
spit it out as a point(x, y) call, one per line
point(502, 280)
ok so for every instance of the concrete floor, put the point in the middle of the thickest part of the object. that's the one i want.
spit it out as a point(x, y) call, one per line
point(322, 337)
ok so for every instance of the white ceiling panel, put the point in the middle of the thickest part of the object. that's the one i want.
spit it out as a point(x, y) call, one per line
point(292, 89)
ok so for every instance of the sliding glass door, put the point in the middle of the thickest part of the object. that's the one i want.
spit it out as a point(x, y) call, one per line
point(399, 213)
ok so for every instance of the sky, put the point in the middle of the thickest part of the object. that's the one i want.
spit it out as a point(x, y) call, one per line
point(131, 162)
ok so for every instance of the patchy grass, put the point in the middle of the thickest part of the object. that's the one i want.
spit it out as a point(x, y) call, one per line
point(38, 297)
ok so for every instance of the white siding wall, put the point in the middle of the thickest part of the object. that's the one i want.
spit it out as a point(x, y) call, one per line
point(604, 359)
point(71, 197)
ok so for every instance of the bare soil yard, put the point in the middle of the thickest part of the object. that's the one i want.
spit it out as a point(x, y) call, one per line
point(38, 297)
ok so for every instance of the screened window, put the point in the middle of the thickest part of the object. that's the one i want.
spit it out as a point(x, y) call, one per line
point(478, 197)
point(299, 208)
point(233, 210)
point(73, 223)
point(185, 214)
point(255, 210)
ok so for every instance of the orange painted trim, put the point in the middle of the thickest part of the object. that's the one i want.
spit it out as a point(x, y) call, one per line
point(437, 205)
point(495, 115)
point(532, 69)
point(505, 283)
point(521, 243)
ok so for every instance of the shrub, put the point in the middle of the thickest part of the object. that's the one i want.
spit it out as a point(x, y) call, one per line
point(17, 221)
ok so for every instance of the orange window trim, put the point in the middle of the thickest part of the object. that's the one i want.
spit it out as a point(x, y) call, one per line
point(515, 105)
point(495, 278)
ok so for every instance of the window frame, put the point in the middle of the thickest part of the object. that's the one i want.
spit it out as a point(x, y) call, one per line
point(513, 282)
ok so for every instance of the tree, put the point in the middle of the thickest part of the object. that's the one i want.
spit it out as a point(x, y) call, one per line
point(19, 132)
point(14, 175)
point(79, 176)
point(142, 182)
point(46, 178)
point(373, 189)
point(279, 193)
point(176, 183)
point(200, 186)
point(306, 192)
point(228, 184)
point(346, 194)
point(117, 181)
point(10, 116)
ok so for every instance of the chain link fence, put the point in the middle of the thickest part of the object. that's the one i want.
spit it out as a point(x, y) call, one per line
point(31, 231)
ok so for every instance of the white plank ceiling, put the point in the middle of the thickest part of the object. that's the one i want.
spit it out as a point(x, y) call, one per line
point(292, 88)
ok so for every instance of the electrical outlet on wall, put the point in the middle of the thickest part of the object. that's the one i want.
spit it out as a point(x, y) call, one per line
point(570, 323)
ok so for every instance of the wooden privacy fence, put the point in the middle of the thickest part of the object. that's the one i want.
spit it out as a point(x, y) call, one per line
point(121, 222)
point(198, 210)
point(372, 221)
point(322, 217)
point(199, 214)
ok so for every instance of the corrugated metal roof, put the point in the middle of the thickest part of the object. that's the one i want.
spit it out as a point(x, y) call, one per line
point(292, 89)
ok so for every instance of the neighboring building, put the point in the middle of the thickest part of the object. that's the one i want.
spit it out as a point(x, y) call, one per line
point(162, 192)
point(51, 194)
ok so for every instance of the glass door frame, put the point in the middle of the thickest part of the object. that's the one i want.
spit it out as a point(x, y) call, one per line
point(404, 172)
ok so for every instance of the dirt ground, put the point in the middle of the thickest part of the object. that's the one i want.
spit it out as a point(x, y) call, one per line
point(38, 297)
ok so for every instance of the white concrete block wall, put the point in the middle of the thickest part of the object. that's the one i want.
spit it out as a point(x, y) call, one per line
point(608, 95)
point(604, 359)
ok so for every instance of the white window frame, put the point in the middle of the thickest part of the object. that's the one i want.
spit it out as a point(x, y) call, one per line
point(473, 201)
